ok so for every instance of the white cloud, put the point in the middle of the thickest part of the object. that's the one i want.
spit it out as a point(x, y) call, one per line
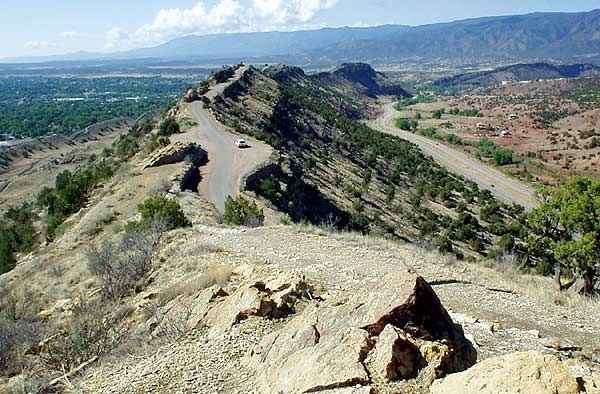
point(71, 34)
point(37, 45)
point(115, 37)
point(227, 16)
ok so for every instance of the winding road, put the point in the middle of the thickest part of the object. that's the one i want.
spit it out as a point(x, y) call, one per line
point(227, 164)
point(502, 186)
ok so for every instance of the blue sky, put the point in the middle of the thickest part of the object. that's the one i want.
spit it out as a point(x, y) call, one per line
point(41, 27)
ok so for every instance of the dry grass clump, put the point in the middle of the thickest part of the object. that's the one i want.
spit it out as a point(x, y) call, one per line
point(19, 330)
point(98, 224)
point(505, 273)
point(216, 275)
point(92, 331)
point(160, 188)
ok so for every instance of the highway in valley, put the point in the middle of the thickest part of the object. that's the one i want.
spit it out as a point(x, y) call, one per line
point(501, 185)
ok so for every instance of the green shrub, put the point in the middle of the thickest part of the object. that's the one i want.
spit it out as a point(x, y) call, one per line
point(465, 227)
point(421, 98)
point(163, 210)
point(470, 112)
point(241, 212)
point(168, 127)
point(444, 244)
point(427, 228)
point(407, 124)
point(128, 144)
point(7, 250)
point(477, 245)
point(506, 243)
point(504, 156)
point(269, 188)
point(17, 234)
point(224, 74)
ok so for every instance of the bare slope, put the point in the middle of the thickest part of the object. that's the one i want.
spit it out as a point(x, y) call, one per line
point(27, 166)
point(509, 312)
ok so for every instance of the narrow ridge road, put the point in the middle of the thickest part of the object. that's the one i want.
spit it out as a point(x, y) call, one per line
point(227, 164)
point(502, 186)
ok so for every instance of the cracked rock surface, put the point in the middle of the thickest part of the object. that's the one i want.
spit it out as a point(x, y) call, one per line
point(326, 346)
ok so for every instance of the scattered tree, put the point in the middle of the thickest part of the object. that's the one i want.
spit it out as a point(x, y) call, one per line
point(168, 127)
point(565, 231)
point(160, 210)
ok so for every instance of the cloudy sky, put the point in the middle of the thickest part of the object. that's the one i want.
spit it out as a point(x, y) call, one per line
point(41, 27)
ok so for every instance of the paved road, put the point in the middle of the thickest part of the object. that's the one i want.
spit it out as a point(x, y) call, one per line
point(502, 186)
point(228, 164)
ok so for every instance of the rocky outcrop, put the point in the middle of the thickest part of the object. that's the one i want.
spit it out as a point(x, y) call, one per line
point(175, 153)
point(273, 299)
point(393, 329)
point(527, 372)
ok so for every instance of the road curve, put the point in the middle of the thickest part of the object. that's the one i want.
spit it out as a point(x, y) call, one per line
point(227, 164)
point(502, 186)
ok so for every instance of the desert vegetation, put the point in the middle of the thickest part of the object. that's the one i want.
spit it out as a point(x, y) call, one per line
point(17, 234)
point(383, 166)
point(70, 193)
point(73, 189)
point(549, 125)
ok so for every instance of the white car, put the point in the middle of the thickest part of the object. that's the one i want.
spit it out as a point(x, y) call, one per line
point(241, 144)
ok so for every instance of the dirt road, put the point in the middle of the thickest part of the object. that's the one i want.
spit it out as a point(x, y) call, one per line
point(227, 164)
point(502, 186)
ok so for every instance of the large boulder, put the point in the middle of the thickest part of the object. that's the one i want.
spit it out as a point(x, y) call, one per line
point(202, 304)
point(527, 373)
point(385, 331)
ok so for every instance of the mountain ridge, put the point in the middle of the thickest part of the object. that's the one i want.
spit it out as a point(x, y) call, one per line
point(536, 35)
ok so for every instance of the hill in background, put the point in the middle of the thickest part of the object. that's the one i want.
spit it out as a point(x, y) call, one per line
point(519, 73)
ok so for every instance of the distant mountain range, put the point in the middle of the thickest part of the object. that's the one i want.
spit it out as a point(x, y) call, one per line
point(518, 72)
point(556, 36)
